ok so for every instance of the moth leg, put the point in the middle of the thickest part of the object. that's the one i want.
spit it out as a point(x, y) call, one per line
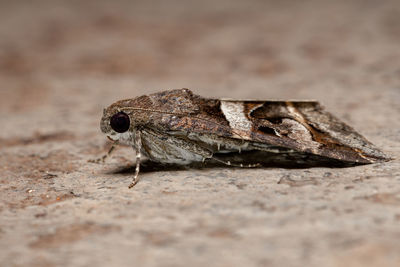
point(138, 147)
point(105, 156)
point(255, 165)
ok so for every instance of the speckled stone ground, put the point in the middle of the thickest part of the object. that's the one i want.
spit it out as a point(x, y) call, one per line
point(61, 62)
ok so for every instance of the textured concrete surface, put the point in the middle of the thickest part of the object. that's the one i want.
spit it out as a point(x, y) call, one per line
point(61, 62)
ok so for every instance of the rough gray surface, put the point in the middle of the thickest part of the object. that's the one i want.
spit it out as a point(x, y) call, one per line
point(61, 62)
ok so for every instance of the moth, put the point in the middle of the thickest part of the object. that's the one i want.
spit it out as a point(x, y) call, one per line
point(180, 127)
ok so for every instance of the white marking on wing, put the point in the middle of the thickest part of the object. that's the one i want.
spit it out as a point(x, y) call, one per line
point(234, 114)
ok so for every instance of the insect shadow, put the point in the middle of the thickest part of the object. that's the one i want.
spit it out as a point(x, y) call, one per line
point(264, 160)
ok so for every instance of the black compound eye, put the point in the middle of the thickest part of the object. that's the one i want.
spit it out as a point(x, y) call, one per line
point(120, 122)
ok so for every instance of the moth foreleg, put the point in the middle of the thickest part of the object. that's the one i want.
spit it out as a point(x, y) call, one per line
point(105, 156)
point(138, 147)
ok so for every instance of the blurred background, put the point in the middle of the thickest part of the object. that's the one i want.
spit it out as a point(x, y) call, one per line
point(62, 62)
point(62, 52)
point(78, 56)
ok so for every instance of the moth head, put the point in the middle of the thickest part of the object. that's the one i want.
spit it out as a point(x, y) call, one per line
point(117, 125)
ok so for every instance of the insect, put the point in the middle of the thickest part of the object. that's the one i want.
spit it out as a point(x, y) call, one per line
point(180, 127)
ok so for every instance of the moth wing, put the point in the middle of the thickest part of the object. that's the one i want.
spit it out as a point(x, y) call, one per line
point(317, 131)
point(302, 126)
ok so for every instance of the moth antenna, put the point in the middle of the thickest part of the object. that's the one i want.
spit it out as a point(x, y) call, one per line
point(138, 146)
point(155, 111)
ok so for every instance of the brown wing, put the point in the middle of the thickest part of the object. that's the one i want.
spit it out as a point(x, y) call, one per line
point(314, 130)
point(303, 126)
